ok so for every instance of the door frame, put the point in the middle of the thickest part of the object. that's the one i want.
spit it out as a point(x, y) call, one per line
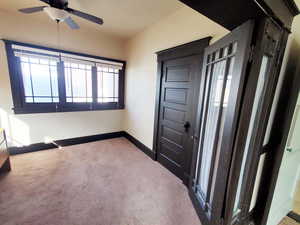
point(284, 115)
point(267, 35)
point(275, 148)
point(189, 49)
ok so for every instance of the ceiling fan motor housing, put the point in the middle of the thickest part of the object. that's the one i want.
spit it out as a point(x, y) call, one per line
point(60, 4)
point(56, 14)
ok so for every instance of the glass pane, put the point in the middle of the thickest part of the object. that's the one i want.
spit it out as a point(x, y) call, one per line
point(54, 81)
point(39, 79)
point(24, 59)
point(68, 82)
point(89, 85)
point(55, 99)
point(273, 110)
point(79, 99)
point(116, 85)
point(214, 106)
point(44, 61)
point(108, 84)
point(78, 80)
point(33, 60)
point(100, 82)
point(258, 96)
point(41, 100)
point(223, 102)
point(26, 79)
point(29, 99)
point(257, 181)
point(225, 51)
point(78, 83)
point(234, 47)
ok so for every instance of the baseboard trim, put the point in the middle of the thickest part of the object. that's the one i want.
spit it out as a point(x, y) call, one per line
point(139, 145)
point(294, 216)
point(64, 142)
point(81, 140)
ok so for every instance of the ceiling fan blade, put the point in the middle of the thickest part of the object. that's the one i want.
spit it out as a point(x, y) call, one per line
point(85, 16)
point(71, 23)
point(32, 10)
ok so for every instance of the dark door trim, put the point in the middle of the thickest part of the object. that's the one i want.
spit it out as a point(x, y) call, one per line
point(237, 12)
point(284, 114)
point(268, 44)
point(189, 49)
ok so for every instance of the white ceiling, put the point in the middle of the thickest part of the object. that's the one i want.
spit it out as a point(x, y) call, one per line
point(123, 18)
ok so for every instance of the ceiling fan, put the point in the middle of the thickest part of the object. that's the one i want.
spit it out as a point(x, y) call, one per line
point(59, 11)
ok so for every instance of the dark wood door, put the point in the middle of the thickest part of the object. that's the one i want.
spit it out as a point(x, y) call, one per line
point(223, 78)
point(179, 95)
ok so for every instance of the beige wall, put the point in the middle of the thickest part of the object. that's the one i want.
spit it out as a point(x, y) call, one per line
point(26, 129)
point(183, 26)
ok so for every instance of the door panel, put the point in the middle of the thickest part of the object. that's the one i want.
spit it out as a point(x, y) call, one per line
point(221, 89)
point(176, 116)
point(253, 137)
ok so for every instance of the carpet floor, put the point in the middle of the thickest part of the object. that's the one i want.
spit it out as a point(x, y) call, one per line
point(288, 221)
point(107, 182)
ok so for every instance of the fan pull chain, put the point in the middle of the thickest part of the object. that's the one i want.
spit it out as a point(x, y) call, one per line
point(58, 37)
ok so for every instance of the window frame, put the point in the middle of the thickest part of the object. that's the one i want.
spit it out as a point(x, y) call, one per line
point(17, 86)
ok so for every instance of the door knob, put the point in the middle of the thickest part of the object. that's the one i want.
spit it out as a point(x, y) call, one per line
point(187, 125)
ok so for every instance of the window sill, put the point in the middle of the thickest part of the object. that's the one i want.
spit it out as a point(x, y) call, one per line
point(32, 108)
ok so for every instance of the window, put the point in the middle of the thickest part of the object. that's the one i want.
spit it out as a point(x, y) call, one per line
point(39, 77)
point(108, 80)
point(51, 80)
point(78, 80)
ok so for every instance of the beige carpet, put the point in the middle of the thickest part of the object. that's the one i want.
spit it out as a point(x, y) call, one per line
point(288, 221)
point(108, 182)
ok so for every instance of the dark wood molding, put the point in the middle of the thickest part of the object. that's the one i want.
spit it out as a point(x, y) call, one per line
point(17, 88)
point(188, 49)
point(5, 167)
point(294, 216)
point(65, 142)
point(139, 145)
point(228, 13)
point(81, 140)
point(293, 8)
point(283, 117)
point(4, 155)
point(232, 13)
point(265, 36)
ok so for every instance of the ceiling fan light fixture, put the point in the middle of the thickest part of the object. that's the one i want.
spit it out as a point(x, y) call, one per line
point(59, 11)
point(56, 14)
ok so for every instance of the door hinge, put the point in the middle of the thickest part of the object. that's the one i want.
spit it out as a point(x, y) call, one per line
point(251, 53)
